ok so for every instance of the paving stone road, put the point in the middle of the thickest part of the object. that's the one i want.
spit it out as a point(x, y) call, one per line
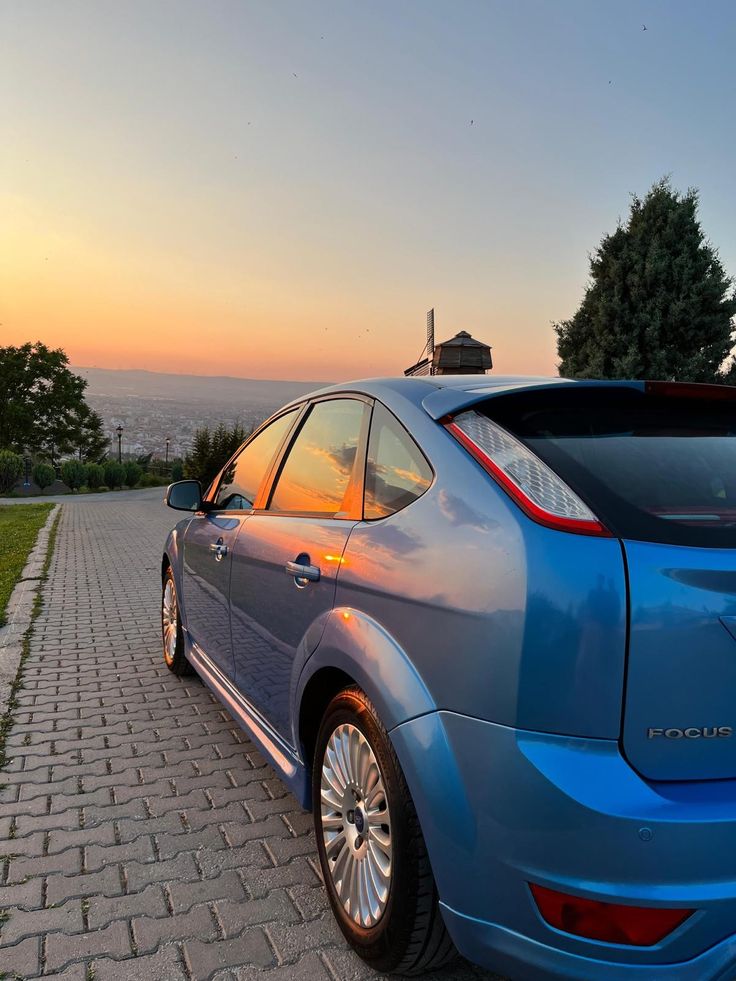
point(143, 836)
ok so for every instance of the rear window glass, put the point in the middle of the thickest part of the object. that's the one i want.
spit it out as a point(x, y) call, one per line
point(652, 467)
point(396, 473)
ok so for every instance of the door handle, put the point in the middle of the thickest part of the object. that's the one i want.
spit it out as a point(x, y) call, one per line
point(219, 549)
point(302, 574)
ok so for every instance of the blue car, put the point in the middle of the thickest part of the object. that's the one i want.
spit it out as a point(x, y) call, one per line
point(485, 628)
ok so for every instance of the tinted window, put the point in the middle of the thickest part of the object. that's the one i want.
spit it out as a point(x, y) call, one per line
point(396, 472)
point(318, 470)
point(652, 467)
point(240, 482)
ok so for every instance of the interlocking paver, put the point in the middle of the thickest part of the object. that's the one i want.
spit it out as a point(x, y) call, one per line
point(143, 836)
point(62, 948)
point(67, 918)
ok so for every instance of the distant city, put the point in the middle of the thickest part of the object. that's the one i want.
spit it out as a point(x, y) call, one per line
point(153, 406)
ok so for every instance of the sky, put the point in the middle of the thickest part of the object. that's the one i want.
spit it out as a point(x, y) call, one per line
point(283, 188)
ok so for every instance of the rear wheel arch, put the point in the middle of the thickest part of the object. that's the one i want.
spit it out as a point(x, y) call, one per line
point(355, 649)
point(317, 695)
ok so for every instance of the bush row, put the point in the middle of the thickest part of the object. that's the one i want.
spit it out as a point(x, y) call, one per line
point(77, 475)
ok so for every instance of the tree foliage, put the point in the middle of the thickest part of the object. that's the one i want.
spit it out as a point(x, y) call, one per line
point(73, 473)
point(133, 473)
point(658, 305)
point(95, 475)
point(88, 435)
point(43, 475)
point(114, 474)
point(11, 466)
point(42, 406)
point(211, 450)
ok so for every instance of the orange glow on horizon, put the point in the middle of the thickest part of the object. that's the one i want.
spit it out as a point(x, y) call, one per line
point(110, 304)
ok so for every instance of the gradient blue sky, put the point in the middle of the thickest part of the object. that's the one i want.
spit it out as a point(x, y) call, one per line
point(174, 198)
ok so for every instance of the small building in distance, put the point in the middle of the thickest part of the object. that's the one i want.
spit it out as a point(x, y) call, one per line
point(460, 355)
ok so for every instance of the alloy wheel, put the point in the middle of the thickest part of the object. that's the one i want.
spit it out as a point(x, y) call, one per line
point(169, 621)
point(356, 825)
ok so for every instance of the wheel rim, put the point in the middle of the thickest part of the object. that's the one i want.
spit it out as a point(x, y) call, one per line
point(356, 825)
point(169, 621)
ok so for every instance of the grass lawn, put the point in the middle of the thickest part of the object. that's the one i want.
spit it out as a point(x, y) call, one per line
point(19, 526)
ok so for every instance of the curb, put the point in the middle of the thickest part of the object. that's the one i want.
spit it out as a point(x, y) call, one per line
point(20, 611)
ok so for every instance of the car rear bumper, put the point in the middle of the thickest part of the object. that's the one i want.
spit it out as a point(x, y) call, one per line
point(501, 808)
point(525, 958)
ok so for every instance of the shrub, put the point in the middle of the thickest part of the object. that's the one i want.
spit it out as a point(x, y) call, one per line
point(114, 474)
point(102, 489)
point(177, 471)
point(95, 475)
point(152, 480)
point(133, 472)
point(73, 473)
point(11, 467)
point(44, 475)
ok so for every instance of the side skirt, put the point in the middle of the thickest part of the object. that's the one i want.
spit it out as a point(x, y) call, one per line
point(278, 753)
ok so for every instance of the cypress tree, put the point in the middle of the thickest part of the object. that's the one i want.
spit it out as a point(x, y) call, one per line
point(659, 304)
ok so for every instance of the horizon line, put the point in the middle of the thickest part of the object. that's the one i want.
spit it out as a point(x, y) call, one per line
point(192, 374)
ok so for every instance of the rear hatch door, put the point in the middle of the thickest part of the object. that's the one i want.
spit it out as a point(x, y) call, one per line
point(680, 708)
point(657, 467)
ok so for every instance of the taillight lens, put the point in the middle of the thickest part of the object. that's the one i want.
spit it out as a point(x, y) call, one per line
point(539, 491)
point(638, 926)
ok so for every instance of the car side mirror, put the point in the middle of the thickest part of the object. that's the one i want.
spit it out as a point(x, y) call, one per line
point(184, 495)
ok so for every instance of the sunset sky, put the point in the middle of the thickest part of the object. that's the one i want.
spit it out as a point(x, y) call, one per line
point(282, 189)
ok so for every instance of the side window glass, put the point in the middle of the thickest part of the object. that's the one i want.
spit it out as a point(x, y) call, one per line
point(317, 474)
point(239, 484)
point(396, 471)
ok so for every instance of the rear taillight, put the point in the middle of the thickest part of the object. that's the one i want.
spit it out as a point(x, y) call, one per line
point(613, 923)
point(543, 495)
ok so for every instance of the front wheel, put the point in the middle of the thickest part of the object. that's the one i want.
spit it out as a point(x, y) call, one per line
point(371, 849)
point(171, 633)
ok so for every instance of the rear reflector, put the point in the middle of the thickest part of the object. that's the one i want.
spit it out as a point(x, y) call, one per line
point(537, 490)
point(637, 926)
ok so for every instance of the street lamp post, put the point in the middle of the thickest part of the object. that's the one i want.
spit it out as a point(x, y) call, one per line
point(119, 431)
point(167, 449)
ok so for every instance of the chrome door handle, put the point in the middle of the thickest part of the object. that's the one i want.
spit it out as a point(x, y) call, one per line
point(302, 574)
point(219, 549)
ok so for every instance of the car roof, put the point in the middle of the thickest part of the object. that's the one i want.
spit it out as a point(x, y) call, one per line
point(443, 394)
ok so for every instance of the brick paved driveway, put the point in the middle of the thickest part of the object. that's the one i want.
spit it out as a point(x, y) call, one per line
point(144, 836)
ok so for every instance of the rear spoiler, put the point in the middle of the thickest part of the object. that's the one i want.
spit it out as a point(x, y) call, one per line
point(450, 401)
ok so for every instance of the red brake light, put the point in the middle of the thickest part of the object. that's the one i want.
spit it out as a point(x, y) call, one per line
point(537, 489)
point(690, 390)
point(613, 923)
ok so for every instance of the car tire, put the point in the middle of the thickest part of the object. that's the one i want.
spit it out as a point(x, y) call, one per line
point(371, 848)
point(171, 632)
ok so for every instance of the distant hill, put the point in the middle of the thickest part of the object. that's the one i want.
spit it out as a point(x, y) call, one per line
point(192, 388)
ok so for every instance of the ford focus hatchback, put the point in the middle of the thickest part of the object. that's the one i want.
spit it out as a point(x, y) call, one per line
point(485, 629)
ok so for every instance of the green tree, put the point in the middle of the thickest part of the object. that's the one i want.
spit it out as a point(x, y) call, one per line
point(95, 475)
point(211, 450)
point(133, 473)
point(114, 474)
point(658, 305)
point(39, 397)
point(73, 473)
point(197, 460)
point(43, 475)
point(11, 467)
point(88, 435)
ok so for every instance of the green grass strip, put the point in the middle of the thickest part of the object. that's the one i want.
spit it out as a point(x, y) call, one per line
point(19, 528)
point(6, 720)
